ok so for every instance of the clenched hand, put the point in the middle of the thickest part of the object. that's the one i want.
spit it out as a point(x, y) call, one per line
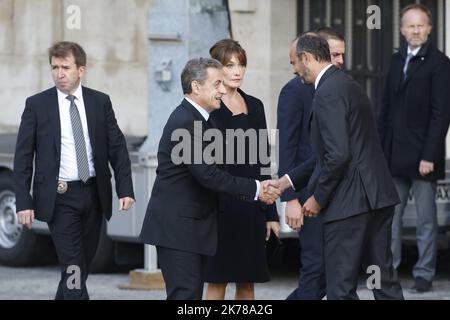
point(293, 214)
point(26, 217)
point(125, 203)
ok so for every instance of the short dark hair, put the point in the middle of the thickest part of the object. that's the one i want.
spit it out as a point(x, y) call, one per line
point(315, 45)
point(63, 49)
point(197, 70)
point(417, 6)
point(310, 32)
point(224, 49)
point(329, 33)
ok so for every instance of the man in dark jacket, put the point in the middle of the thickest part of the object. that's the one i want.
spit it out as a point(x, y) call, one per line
point(181, 217)
point(294, 108)
point(351, 185)
point(413, 123)
point(68, 137)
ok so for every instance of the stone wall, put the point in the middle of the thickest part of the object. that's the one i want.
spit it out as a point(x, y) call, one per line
point(113, 34)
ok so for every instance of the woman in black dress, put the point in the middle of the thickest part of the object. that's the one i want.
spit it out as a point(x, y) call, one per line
point(243, 226)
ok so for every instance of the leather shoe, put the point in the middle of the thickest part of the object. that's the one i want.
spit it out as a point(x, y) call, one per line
point(422, 285)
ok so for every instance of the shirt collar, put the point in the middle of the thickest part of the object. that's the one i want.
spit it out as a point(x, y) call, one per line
point(202, 111)
point(78, 94)
point(414, 52)
point(321, 73)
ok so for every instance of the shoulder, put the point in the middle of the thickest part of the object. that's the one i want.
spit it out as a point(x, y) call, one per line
point(438, 56)
point(41, 99)
point(294, 83)
point(338, 86)
point(295, 96)
point(181, 117)
point(397, 59)
point(95, 93)
point(255, 104)
point(251, 99)
point(296, 87)
point(397, 54)
point(335, 82)
point(43, 95)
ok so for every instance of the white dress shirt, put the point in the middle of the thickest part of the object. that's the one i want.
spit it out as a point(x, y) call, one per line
point(205, 115)
point(414, 52)
point(68, 170)
point(319, 76)
point(409, 56)
point(203, 112)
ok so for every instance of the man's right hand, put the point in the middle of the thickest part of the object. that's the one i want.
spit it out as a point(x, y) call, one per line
point(293, 214)
point(425, 167)
point(26, 217)
point(269, 192)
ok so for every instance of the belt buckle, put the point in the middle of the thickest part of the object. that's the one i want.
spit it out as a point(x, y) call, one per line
point(62, 187)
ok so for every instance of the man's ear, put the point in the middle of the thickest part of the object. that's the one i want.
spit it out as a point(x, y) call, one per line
point(402, 31)
point(195, 87)
point(307, 57)
point(81, 71)
point(303, 58)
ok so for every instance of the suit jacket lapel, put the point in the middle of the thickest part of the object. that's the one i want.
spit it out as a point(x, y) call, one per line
point(327, 73)
point(91, 113)
point(414, 64)
point(311, 114)
point(197, 115)
point(310, 120)
point(53, 116)
point(398, 77)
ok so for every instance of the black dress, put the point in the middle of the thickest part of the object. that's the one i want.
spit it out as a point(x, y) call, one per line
point(241, 255)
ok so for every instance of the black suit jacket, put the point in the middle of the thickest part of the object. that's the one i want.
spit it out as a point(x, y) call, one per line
point(414, 115)
point(39, 137)
point(182, 210)
point(294, 149)
point(351, 176)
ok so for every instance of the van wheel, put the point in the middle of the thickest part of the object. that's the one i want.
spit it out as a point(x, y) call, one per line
point(18, 245)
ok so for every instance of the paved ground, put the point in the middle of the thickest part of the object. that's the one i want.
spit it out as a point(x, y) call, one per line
point(40, 283)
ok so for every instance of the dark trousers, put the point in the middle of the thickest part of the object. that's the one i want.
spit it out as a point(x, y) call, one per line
point(75, 229)
point(312, 281)
point(361, 240)
point(183, 273)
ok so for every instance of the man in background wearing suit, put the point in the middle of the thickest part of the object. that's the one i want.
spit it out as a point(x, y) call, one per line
point(413, 124)
point(351, 185)
point(181, 217)
point(294, 107)
point(72, 135)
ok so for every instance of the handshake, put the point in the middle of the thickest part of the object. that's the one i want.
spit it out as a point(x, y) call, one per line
point(271, 190)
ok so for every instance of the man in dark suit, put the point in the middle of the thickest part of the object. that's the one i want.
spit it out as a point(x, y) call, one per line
point(294, 107)
point(181, 218)
point(413, 124)
point(351, 185)
point(72, 135)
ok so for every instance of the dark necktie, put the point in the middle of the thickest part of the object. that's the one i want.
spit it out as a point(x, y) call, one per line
point(80, 144)
point(405, 67)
